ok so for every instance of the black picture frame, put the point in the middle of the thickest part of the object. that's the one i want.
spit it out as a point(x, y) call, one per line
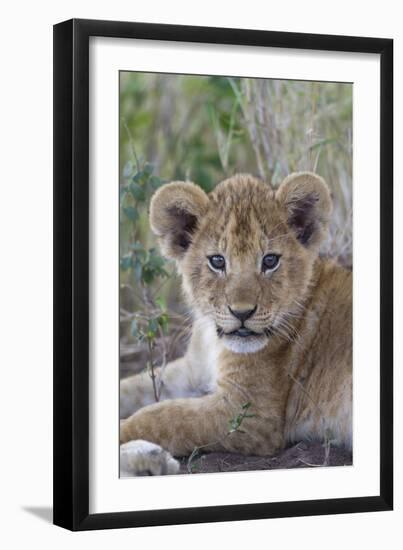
point(71, 273)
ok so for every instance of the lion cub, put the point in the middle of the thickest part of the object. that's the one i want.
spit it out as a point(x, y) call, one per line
point(272, 324)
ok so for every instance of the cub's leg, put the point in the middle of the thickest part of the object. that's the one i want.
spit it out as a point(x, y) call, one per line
point(137, 391)
point(181, 425)
point(142, 458)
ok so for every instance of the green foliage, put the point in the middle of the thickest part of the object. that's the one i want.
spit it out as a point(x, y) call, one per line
point(141, 265)
point(146, 265)
point(147, 328)
point(139, 183)
point(177, 134)
point(235, 423)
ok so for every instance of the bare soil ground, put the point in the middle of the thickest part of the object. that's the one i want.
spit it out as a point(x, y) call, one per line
point(302, 455)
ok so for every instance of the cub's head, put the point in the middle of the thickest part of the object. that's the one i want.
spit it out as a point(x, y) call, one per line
point(245, 252)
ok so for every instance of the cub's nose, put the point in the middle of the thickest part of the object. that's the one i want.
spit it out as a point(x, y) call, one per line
point(242, 312)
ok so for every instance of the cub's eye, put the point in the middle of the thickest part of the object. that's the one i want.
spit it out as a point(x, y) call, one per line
point(217, 262)
point(270, 262)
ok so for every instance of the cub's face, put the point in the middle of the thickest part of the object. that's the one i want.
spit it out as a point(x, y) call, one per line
point(244, 251)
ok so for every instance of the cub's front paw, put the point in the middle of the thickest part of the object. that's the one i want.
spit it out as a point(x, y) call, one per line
point(142, 458)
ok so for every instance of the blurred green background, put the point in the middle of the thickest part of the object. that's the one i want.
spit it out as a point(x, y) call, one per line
point(204, 129)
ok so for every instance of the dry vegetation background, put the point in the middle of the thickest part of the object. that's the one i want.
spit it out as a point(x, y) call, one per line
point(204, 129)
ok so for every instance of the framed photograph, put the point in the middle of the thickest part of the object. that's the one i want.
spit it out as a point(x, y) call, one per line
point(223, 319)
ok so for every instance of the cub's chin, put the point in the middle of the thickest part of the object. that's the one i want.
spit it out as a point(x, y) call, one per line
point(245, 344)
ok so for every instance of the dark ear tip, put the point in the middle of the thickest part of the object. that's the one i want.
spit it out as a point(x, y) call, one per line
point(174, 213)
point(304, 184)
point(307, 199)
point(177, 194)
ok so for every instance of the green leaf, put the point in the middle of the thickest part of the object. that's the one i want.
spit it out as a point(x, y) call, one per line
point(148, 169)
point(137, 191)
point(147, 276)
point(128, 169)
point(161, 302)
point(138, 177)
point(153, 325)
point(163, 322)
point(131, 212)
point(126, 262)
point(155, 261)
point(156, 182)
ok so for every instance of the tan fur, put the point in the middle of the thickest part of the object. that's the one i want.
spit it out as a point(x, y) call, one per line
point(296, 373)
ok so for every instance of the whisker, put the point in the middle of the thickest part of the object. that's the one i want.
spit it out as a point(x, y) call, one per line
point(279, 332)
point(286, 330)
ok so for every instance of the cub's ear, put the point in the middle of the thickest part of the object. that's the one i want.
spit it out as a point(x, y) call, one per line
point(175, 211)
point(308, 204)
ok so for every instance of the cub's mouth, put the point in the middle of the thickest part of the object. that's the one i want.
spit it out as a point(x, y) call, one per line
point(244, 340)
point(243, 332)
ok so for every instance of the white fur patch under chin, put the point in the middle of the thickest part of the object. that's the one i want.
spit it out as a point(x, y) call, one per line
point(142, 458)
point(237, 344)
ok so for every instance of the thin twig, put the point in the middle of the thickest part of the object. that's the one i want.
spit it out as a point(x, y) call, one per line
point(131, 142)
point(152, 372)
